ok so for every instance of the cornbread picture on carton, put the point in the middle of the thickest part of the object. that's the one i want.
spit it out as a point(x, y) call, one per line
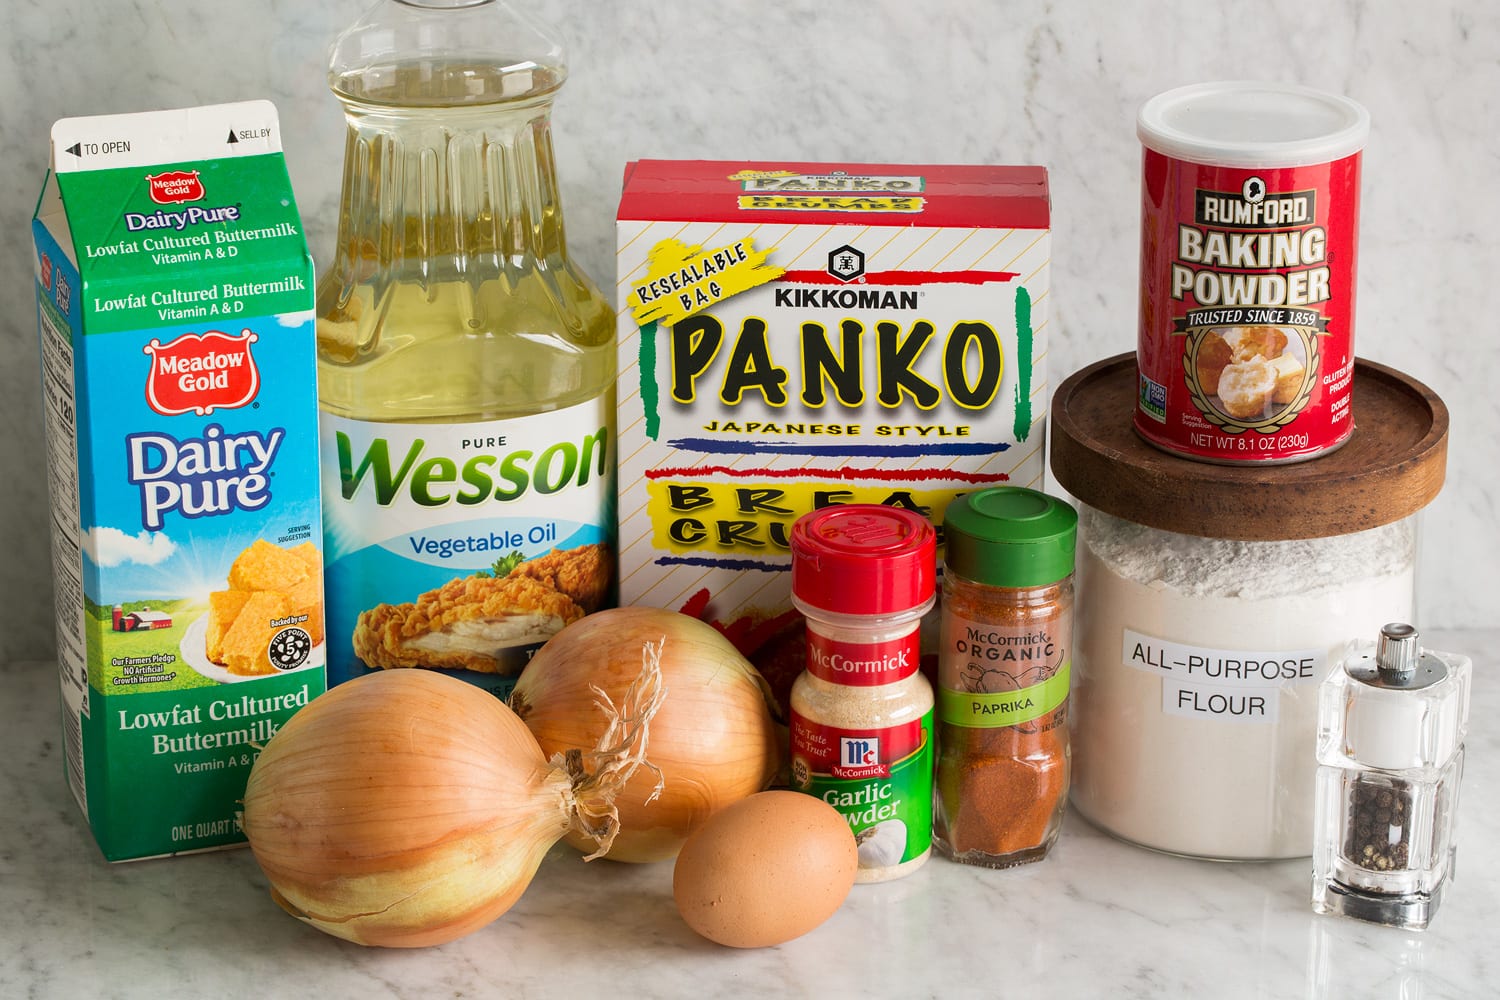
point(483, 623)
point(270, 617)
point(798, 335)
point(175, 316)
point(1253, 375)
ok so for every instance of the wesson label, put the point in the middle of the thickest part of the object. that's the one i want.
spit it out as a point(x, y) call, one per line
point(410, 471)
point(411, 507)
point(1222, 685)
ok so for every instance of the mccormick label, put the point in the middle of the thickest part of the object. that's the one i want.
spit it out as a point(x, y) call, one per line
point(1247, 308)
point(798, 335)
point(174, 303)
point(863, 664)
point(879, 777)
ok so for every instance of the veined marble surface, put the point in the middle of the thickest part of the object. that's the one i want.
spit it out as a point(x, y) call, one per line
point(1097, 918)
point(1003, 81)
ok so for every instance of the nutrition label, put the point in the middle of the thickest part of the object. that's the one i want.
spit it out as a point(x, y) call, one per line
point(59, 417)
point(62, 482)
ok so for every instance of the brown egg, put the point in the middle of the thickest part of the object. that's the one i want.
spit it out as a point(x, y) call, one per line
point(765, 870)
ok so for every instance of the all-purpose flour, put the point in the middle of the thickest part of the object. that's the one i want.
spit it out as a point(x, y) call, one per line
point(1196, 680)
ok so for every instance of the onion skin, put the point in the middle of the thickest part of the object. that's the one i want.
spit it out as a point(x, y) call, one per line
point(403, 809)
point(713, 742)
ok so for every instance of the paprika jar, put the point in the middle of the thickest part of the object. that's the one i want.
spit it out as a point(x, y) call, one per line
point(861, 729)
point(1004, 648)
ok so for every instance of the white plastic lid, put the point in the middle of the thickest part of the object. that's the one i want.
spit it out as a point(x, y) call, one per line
point(1404, 707)
point(1253, 125)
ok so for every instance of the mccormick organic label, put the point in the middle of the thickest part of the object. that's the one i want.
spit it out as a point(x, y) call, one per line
point(797, 335)
point(993, 676)
point(174, 301)
point(1248, 252)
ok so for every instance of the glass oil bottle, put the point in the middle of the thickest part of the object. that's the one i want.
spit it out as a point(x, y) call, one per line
point(466, 364)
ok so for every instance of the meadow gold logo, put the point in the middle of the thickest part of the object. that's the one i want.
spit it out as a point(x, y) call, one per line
point(175, 187)
point(200, 373)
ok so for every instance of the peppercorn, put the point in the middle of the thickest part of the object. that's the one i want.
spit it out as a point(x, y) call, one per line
point(1378, 836)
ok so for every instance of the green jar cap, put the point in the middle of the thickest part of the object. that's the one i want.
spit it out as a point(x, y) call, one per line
point(1008, 536)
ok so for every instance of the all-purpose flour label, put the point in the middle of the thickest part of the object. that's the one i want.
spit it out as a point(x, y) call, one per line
point(1223, 684)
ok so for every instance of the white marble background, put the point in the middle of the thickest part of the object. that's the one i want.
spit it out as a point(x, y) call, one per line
point(982, 81)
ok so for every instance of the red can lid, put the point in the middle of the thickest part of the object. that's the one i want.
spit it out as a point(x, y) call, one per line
point(863, 559)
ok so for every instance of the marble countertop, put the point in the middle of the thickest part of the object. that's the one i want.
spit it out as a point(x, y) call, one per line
point(1097, 918)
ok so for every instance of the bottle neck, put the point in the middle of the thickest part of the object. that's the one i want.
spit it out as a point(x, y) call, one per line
point(450, 193)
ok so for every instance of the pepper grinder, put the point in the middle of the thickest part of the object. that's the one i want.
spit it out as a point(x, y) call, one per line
point(1391, 724)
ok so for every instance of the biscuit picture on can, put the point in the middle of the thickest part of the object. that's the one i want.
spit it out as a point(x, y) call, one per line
point(1244, 377)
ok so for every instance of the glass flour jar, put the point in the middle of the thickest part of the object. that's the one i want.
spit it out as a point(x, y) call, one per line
point(1213, 600)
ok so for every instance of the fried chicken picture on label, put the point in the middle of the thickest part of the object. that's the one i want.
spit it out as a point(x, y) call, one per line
point(473, 622)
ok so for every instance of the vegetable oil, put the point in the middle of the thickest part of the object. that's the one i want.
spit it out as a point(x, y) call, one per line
point(466, 365)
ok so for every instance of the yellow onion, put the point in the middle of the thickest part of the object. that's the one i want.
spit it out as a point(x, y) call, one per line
point(407, 808)
point(714, 740)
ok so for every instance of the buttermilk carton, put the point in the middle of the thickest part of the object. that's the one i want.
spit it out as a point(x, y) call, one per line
point(175, 309)
point(795, 335)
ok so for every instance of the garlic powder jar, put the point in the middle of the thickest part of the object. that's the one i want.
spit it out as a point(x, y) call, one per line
point(862, 713)
point(1213, 600)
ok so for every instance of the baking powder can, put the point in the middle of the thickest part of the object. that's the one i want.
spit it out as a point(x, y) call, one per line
point(1249, 244)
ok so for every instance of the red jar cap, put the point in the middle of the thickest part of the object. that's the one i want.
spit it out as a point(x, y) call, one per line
point(863, 559)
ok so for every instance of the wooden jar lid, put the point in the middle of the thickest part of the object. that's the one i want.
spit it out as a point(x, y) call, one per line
point(1391, 467)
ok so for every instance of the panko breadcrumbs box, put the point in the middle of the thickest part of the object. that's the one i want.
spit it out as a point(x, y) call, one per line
point(795, 335)
point(174, 302)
